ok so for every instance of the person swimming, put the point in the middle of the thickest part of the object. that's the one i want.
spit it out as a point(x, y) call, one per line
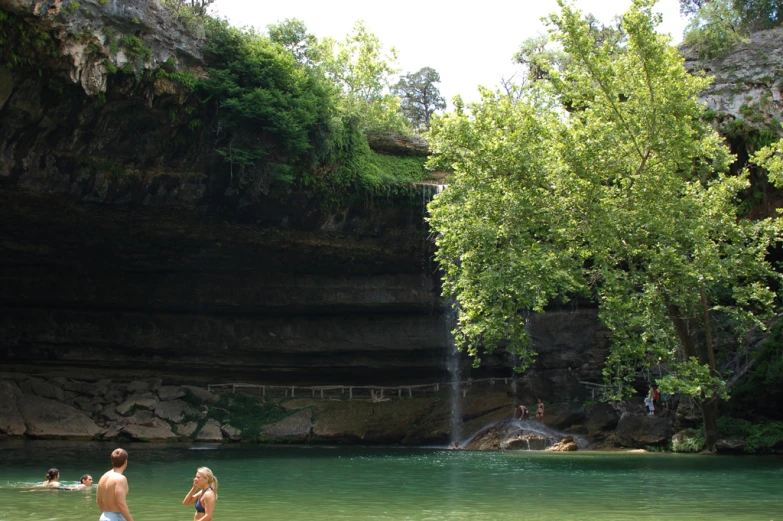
point(84, 482)
point(203, 493)
point(52, 478)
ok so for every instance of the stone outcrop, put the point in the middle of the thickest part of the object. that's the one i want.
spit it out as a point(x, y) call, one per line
point(397, 145)
point(424, 420)
point(210, 432)
point(567, 444)
point(730, 446)
point(746, 85)
point(563, 416)
point(640, 430)
point(11, 420)
point(86, 29)
point(46, 418)
point(601, 419)
point(297, 427)
point(517, 435)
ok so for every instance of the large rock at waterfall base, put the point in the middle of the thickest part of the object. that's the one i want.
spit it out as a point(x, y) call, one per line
point(601, 419)
point(514, 435)
point(567, 444)
point(640, 430)
point(563, 416)
point(49, 419)
point(11, 421)
point(481, 410)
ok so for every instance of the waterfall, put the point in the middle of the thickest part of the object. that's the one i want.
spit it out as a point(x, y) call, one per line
point(454, 373)
point(452, 356)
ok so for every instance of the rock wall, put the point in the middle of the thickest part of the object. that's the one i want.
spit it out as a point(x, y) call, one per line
point(125, 249)
point(147, 410)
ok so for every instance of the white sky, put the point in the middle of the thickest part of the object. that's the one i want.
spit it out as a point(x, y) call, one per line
point(468, 43)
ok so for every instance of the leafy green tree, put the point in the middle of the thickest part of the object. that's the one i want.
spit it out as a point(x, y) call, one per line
point(715, 28)
point(602, 181)
point(271, 116)
point(691, 7)
point(420, 96)
point(760, 14)
point(292, 34)
point(752, 14)
point(362, 69)
point(538, 55)
point(195, 7)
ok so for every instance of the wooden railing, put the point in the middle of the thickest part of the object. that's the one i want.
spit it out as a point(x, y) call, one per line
point(351, 392)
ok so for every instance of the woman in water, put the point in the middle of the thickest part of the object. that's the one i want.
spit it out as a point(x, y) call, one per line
point(203, 494)
point(52, 479)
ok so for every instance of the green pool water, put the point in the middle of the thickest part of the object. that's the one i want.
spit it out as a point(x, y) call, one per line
point(353, 484)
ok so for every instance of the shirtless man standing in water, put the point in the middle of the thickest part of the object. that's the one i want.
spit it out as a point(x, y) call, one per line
point(112, 489)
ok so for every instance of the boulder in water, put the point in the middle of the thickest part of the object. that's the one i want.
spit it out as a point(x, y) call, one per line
point(516, 435)
point(567, 444)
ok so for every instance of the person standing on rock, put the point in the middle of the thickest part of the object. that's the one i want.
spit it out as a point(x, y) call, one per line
point(524, 413)
point(113, 489)
point(203, 493)
point(540, 410)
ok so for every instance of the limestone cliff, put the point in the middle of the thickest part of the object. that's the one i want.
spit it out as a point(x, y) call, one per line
point(126, 251)
point(745, 101)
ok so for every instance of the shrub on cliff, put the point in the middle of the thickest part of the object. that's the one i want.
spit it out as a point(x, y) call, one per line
point(268, 111)
point(276, 118)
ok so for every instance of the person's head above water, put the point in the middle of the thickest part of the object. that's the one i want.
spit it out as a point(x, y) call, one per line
point(119, 458)
point(52, 475)
point(86, 480)
point(209, 478)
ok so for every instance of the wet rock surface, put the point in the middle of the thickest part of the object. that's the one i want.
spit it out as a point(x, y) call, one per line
point(518, 435)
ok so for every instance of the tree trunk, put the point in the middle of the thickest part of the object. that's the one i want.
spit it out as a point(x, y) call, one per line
point(709, 409)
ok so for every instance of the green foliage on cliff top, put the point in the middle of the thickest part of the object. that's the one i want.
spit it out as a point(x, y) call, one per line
point(270, 113)
point(278, 111)
point(277, 119)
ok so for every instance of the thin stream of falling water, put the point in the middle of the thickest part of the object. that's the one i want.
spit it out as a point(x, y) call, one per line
point(452, 356)
point(453, 368)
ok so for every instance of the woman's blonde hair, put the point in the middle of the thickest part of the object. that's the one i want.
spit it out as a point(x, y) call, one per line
point(210, 477)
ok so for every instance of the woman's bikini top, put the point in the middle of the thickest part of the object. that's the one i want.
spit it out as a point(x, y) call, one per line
point(199, 506)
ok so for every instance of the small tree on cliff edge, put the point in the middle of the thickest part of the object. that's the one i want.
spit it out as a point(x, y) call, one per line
point(197, 7)
point(603, 180)
point(419, 97)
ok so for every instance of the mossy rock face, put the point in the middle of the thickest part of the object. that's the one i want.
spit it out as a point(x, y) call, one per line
point(344, 422)
point(380, 422)
point(296, 428)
